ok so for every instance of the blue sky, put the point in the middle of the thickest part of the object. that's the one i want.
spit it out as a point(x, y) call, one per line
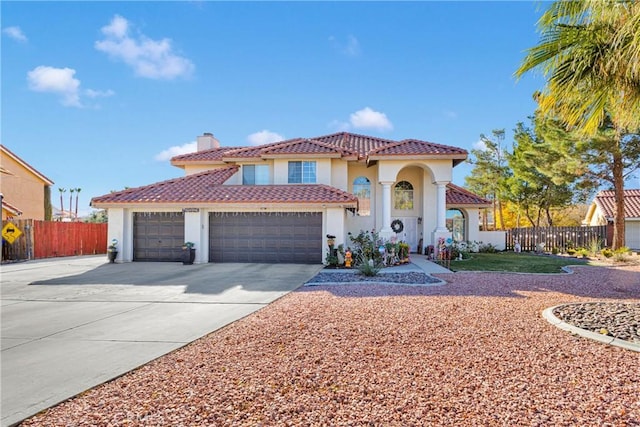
point(98, 95)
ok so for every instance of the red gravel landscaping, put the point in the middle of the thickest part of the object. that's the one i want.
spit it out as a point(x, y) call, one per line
point(475, 351)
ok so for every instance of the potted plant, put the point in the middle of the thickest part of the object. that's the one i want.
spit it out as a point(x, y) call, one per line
point(188, 253)
point(112, 251)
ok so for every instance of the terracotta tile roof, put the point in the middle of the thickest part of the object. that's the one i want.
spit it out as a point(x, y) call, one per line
point(307, 146)
point(211, 155)
point(207, 188)
point(345, 144)
point(460, 197)
point(361, 144)
point(605, 200)
point(173, 190)
point(414, 147)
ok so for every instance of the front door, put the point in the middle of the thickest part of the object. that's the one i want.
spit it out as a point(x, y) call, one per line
point(410, 232)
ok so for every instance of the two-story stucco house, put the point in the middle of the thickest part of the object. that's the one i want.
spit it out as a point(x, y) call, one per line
point(24, 189)
point(277, 202)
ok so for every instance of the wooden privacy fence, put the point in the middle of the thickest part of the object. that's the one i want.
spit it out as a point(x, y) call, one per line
point(47, 239)
point(556, 237)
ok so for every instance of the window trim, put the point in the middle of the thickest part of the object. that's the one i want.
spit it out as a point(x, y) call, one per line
point(308, 172)
point(408, 191)
point(361, 187)
point(247, 168)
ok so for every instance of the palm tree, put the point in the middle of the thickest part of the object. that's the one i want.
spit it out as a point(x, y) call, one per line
point(77, 195)
point(61, 190)
point(589, 51)
point(71, 191)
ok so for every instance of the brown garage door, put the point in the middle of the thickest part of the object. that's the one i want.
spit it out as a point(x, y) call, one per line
point(283, 237)
point(158, 236)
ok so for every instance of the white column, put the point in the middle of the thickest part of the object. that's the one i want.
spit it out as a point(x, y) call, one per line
point(441, 226)
point(386, 207)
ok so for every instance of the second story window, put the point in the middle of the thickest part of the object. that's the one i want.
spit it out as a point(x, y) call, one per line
point(255, 175)
point(403, 193)
point(302, 172)
point(362, 190)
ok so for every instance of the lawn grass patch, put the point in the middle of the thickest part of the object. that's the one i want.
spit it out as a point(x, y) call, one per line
point(515, 263)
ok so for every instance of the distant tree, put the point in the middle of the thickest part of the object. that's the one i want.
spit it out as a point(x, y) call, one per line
point(605, 158)
point(98, 216)
point(61, 190)
point(489, 173)
point(48, 209)
point(71, 191)
point(534, 192)
point(77, 196)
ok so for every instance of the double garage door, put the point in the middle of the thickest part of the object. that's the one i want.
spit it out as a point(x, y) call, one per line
point(282, 237)
point(276, 237)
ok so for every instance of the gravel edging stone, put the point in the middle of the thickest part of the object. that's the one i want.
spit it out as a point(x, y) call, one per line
point(600, 316)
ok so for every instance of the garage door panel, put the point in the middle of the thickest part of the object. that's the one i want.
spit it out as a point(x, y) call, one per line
point(158, 236)
point(263, 237)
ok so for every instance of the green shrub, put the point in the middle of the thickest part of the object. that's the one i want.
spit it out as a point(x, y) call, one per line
point(368, 267)
point(595, 246)
point(583, 252)
point(365, 246)
point(571, 251)
point(607, 253)
point(555, 250)
point(622, 250)
point(620, 257)
point(487, 248)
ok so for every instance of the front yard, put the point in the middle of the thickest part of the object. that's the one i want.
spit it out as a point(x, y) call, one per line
point(516, 263)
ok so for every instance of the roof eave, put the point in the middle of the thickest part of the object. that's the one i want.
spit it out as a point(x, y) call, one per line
point(294, 156)
point(418, 157)
point(228, 206)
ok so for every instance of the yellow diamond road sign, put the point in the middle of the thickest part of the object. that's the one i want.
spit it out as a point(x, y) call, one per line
point(10, 233)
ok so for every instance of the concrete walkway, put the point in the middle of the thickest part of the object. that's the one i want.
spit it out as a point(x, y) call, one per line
point(69, 324)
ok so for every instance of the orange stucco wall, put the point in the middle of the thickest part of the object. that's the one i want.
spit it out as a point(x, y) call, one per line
point(22, 188)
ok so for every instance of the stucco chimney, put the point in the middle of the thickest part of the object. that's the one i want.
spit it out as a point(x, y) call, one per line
point(207, 141)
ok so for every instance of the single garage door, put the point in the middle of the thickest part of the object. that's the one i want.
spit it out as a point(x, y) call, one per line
point(158, 236)
point(283, 237)
point(632, 234)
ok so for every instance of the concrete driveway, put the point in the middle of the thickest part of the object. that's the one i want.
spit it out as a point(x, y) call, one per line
point(69, 324)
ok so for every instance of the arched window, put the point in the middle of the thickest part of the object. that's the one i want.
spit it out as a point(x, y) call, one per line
point(362, 190)
point(456, 224)
point(403, 194)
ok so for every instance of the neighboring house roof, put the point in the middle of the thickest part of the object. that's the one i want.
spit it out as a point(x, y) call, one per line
point(10, 208)
point(17, 159)
point(605, 202)
point(458, 196)
point(341, 145)
point(206, 188)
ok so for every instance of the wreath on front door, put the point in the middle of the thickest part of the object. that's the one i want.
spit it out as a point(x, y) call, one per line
point(397, 226)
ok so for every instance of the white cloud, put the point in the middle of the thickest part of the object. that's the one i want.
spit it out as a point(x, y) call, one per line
point(15, 33)
point(99, 93)
point(149, 58)
point(56, 80)
point(264, 137)
point(176, 150)
point(479, 145)
point(62, 82)
point(370, 119)
point(350, 48)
